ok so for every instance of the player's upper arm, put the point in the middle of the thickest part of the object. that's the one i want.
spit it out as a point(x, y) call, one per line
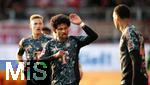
point(132, 40)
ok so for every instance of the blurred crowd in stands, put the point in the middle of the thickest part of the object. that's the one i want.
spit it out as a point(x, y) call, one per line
point(99, 10)
point(19, 6)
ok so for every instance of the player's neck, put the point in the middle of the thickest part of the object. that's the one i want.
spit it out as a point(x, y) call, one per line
point(36, 36)
point(61, 39)
point(124, 25)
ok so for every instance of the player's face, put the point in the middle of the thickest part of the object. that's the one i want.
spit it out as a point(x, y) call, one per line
point(36, 25)
point(116, 21)
point(62, 31)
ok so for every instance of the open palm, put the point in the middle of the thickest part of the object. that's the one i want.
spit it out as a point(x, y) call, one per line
point(74, 18)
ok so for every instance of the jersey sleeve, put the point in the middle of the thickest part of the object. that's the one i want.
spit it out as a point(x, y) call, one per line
point(133, 48)
point(21, 47)
point(132, 40)
point(85, 40)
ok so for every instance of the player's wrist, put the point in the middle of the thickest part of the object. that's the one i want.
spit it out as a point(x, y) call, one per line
point(82, 24)
point(56, 56)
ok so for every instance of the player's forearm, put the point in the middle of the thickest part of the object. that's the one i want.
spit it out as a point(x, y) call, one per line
point(19, 58)
point(47, 57)
point(90, 32)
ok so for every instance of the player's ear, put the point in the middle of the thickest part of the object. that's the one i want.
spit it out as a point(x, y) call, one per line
point(30, 25)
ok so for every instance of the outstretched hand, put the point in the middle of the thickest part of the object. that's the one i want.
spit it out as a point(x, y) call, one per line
point(75, 19)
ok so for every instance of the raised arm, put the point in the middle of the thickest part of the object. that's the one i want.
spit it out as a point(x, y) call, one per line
point(91, 35)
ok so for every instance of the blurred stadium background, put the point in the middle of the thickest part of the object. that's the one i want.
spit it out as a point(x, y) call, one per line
point(100, 60)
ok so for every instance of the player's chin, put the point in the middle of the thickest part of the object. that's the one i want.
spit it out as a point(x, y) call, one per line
point(64, 37)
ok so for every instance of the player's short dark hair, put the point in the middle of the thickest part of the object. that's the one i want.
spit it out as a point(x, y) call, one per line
point(59, 19)
point(46, 29)
point(122, 11)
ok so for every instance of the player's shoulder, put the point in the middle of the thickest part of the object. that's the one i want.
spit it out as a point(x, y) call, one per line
point(52, 40)
point(45, 38)
point(25, 39)
point(129, 31)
